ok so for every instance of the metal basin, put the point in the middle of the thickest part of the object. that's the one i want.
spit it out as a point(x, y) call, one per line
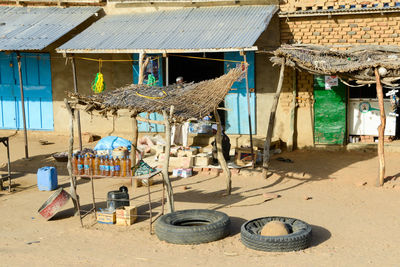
point(54, 203)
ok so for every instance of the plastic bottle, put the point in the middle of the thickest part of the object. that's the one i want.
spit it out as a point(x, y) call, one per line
point(123, 166)
point(112, 167)
point(80, 165)
point(128, 166)
point(96, 165)
point(101, 167)
point(117, 167)
point(106, 167)
point(86, 165)
point(74, 164)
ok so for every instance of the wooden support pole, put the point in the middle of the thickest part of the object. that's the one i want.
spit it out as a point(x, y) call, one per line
point(221, 159)
point(135, 138)
point(271, 123)
point(292, 113)
point(72, 190)
point(21, 86)
point(253, 162)
point(381, 129)
point(170, 193)
point(78, 116)
point(141, 70)
point(142, 66)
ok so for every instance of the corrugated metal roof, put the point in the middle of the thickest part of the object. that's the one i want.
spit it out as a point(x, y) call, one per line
point(34, 28)
point(206, 29)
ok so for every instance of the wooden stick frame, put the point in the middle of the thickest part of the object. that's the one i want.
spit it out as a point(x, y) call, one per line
point(221, 159)
point(381, 129)
point(271, 123)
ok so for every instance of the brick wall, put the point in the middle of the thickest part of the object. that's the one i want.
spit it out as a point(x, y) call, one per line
point(346, 29)
point(304, 90)
point(296, 5)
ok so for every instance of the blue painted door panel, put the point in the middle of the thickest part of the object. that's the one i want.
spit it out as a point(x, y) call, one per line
point(237, 119)
point(154, 67)
point(36, 78)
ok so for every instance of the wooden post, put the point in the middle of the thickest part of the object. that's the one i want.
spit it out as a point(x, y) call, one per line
point(253, 162)
point(21, 86)
point(271, 123)
point(72, 189)
point(78, 116)
point(134, 139)
point(381, 129)
point(292, 113)
point(221, 159)
point(170, 193)
point(142, 66)
point(141, 70)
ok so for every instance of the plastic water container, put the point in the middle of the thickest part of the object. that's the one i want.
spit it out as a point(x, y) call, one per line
point(47, 179)
point(116, 199)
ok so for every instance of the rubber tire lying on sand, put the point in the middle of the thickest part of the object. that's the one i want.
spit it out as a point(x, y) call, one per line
point(299, 236)
point(192, 226)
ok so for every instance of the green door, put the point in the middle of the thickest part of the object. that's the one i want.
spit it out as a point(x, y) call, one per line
point(329, 110)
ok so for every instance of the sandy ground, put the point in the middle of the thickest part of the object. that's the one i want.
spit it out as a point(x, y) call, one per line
point(353, 224)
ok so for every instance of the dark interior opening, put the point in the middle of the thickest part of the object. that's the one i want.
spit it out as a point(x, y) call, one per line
point(366, 91)
point(196, 70)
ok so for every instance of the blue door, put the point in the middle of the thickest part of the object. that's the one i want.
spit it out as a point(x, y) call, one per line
point(153, 70)
point(237, 118)
point(36, 79)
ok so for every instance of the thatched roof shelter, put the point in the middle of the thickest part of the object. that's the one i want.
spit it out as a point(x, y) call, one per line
point(366, 64)
point(349, 63)
point(191, 101)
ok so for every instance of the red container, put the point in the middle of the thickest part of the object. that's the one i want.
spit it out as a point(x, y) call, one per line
point(54, 203)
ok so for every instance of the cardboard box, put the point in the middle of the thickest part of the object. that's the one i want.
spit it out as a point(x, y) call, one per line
point(243, 156)
point(202, 161)
point(188, 152)
point(184, 173)
point(105, 217)
point(126, 215)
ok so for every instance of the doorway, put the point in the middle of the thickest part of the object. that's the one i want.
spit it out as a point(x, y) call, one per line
point(194, 67)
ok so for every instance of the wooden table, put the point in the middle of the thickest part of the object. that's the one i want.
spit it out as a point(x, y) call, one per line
point(132, 178)
point(5, 142)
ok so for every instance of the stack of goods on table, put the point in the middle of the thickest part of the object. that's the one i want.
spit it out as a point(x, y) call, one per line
point(118, 210)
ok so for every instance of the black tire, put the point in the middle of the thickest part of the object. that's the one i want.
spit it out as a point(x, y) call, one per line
point(192, 226)
point(299, 236)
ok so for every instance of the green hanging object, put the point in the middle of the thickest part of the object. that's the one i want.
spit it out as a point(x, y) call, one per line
point(151, 80)
point(98, 85)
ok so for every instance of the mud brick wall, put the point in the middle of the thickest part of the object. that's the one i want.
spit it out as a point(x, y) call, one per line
point(297, 5)
point(346, 29)
point(305, 96)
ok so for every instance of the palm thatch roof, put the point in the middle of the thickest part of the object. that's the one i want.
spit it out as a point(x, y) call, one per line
point(352, 63)
point(190, 101)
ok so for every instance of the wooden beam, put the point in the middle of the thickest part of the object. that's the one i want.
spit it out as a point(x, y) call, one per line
point(134, 139)
point(170, 193)
point(381, 129)
point(271, 123)
point(253, 162)
point(72, 190)
point(290, 143)
point(141, 70)
point(149, 121)
point(221, 159)
point(78, 116)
